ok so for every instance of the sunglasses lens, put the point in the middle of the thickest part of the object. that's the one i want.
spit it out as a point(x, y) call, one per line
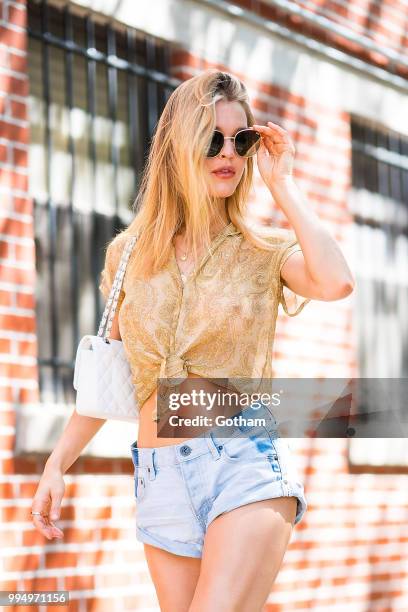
point(217, 142)
point(247, 142)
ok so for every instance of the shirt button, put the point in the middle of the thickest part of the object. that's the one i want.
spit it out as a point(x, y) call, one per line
point(185, 450)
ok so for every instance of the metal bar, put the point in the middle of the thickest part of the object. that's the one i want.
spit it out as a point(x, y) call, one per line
point(151, 86)
point(91, 110)
point(90, 92)
point(393, 158)
point(136, 151)
point(167, 91)
point(51, 210)
point(404, 179)
point(369, 286)
point(113, 109)
point(361, 220)
point(74, 251)
point(384, 342)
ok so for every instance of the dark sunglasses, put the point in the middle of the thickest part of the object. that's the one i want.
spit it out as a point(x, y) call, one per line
point(246, 143)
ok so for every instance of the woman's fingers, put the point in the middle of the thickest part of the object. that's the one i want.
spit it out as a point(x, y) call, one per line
point(276, 141)
point(56, 497)
point(42, 522)
point(43, 526)
point(46, 527)
point(273, 131)
point(274, 127)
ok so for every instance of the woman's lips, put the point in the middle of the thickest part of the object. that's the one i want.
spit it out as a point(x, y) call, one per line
point(224, 175)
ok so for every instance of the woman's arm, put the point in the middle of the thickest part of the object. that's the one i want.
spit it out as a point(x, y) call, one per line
point(79, 430)
point(51, 488)
point(320, 271)
point(77, 433)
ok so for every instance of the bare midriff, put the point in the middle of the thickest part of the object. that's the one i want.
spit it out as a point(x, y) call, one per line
point(147, 434)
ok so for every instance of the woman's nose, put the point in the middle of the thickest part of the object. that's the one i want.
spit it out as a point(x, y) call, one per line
point(228, 148)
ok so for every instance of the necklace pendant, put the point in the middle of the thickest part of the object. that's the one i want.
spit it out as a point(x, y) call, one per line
point(183, 278)
point(183, 257)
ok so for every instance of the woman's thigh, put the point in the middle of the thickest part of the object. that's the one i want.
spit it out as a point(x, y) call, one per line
point(174, 577)
point(243, 551)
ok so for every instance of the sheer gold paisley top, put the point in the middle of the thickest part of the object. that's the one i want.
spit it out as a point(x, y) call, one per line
point(219, 323)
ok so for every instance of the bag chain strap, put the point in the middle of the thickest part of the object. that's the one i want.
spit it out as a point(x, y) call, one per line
point(112, 302)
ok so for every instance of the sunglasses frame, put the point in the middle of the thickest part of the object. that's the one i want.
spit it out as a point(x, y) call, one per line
point(233, 138)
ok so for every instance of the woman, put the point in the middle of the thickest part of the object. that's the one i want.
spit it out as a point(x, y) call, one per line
point(216, 507)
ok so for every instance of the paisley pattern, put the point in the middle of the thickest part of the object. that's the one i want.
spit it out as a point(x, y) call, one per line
point(220, 323)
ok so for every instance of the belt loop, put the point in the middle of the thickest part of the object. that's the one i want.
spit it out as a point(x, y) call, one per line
point(151, 469)
point(154, 465)
point(135, 453)
point(212, 445)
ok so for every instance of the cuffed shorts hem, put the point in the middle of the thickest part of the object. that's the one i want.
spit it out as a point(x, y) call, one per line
point(177, 548)
point(274, 491)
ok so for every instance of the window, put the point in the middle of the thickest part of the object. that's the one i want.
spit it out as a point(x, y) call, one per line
point(95, 96)
point(96, 93)
point(379, 203)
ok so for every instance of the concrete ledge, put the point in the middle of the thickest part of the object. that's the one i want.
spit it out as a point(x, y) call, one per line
point(39, 427)
point(389, 452)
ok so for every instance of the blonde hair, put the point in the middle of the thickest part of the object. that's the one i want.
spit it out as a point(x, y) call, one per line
point(173, 192)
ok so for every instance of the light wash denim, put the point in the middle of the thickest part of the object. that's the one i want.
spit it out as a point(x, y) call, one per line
point(181, 488)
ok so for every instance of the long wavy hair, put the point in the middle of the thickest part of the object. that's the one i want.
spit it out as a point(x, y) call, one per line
point(173, 192)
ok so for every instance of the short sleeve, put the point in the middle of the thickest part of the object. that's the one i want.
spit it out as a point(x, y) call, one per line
point(112, 258)
point(285, 243)
point(291, 302)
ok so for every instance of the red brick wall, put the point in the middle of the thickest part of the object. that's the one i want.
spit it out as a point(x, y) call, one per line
point(17, 270)
point(350, 547)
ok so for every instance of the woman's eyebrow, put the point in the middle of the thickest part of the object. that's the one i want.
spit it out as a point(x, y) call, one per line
point(244, 127)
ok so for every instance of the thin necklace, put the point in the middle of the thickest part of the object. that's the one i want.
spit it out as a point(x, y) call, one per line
point(184, 255)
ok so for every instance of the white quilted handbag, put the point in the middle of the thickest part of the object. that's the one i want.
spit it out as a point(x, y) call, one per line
point(102, 375)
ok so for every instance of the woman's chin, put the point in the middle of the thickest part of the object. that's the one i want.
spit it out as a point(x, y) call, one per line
point(222, 192)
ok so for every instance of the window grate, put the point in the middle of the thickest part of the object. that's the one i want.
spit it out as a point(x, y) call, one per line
point(97, 90)
point(379, 203)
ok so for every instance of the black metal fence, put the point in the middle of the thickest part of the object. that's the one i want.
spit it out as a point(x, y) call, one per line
point(96, 93)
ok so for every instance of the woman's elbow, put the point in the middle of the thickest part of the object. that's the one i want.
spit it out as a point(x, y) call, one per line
point(338, 291)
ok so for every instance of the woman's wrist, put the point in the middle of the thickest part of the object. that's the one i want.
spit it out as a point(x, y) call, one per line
point(53, 465)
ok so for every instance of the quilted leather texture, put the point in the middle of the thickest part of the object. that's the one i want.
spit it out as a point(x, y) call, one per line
point(103, 380)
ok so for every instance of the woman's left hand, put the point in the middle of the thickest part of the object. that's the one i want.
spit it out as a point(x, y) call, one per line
point(276, 154)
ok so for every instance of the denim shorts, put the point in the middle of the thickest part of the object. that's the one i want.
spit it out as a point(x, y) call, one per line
point(181, 488)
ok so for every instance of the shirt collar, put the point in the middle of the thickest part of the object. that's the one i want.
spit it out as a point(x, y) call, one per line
point(231, 229)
